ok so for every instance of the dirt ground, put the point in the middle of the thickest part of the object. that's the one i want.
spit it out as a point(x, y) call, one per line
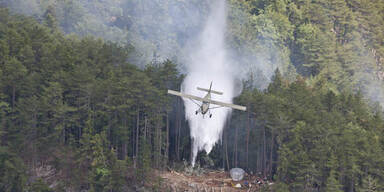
point(210, 181)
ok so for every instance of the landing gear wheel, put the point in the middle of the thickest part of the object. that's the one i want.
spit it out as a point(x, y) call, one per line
point(210, 115)
point(196, 112)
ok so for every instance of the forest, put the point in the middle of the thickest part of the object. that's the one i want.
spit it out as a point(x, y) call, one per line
point(84, 105)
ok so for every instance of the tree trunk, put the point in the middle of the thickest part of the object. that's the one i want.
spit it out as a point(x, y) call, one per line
point(149, 139)
point(145, 129)
point(247, 139)
point(178, 140)
point(133, 144)
point(351, 185)
point(258, 169)
point(178, 128)
point(64, 133)
point(271, 154)
point(226, 144)
point(124, 142)
point(160, 143)
point(167, 138)
point(109, 130)
point(223, 148)
point(264, 154)
point(124, 150)
point(235, 146)
point(13, 97)
point(191, 151)
point(34, 128)
point(137, 136)
point(3, 138)
point(155, 141)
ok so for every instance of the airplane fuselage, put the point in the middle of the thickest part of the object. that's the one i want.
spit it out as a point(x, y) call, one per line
point(205, 106)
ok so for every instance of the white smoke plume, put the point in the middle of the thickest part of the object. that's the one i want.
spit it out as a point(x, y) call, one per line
point(209, 63)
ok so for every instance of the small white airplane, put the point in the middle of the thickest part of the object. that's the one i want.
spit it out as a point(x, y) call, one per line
point(206, 101)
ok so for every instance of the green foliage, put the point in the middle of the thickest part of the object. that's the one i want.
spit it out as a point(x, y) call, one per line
point(280, 187)
point(74, 104)
point(144, 161)
point(332, 184)
point(40, 186)
point(50, 17)
point(79, 104)
point(323, 139)
point(370, 184)
point(12, 171)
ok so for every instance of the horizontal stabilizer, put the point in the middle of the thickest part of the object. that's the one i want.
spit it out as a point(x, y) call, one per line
point(212, 91)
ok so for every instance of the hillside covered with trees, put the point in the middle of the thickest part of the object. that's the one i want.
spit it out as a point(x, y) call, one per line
point(83, 108)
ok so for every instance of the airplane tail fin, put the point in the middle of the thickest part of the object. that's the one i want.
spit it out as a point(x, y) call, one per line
point(210, 90)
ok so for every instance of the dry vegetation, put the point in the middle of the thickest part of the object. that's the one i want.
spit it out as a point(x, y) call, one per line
point(209, 181)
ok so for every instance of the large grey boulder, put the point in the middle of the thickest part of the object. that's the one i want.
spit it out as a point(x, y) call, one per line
point(237, 174)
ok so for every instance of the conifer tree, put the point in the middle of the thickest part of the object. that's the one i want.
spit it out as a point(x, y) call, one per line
point(332, 184)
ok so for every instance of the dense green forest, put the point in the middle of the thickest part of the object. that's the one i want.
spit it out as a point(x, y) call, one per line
point(79, 112)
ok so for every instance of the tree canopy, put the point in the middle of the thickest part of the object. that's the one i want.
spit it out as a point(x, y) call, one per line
point(84, 111)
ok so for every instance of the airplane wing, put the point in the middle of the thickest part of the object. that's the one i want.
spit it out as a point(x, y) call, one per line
point(238, 107)
point(186, 96)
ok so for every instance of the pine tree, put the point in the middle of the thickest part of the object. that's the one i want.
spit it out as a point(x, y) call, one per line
point(369, 184)
point(14, 73)
point(50, 17)
point(12, 171)
point(332, 184)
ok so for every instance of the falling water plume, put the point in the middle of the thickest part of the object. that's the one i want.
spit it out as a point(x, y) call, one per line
point(208, 62)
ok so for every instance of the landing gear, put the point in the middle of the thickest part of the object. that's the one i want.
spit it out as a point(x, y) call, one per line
point(210, 115)
point(196, 112)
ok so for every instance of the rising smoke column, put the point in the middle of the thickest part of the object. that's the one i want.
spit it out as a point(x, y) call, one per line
point(208, 62)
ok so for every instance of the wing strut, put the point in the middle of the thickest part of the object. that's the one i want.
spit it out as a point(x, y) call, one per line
point(194, 102)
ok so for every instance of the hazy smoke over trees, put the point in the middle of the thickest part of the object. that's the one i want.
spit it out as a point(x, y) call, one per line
point(162, 29)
